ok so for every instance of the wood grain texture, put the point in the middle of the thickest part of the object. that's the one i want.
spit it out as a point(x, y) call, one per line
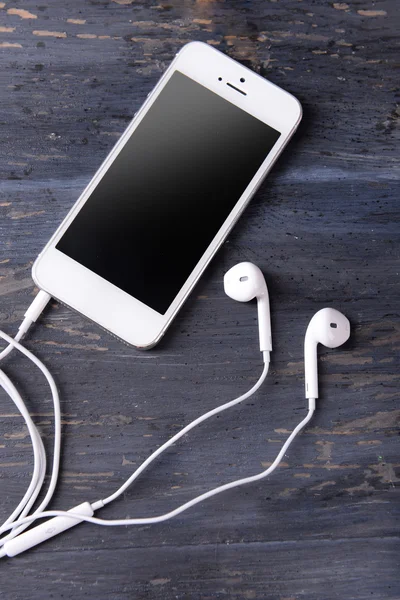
point(324, 228)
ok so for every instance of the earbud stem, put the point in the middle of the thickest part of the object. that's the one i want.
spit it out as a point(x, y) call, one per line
point(264, 323)
point(310, 368)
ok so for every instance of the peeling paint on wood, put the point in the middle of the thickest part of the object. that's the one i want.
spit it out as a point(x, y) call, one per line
point(19, 12)
point(372, 13)
point(46, 33)
point(10, 45)
point(21, 215)
point(87, 36)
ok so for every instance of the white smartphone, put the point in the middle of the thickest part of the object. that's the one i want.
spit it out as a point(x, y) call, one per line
point(144, 229)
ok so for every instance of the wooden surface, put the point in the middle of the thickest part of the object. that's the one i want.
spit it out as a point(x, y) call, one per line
point(324, 228)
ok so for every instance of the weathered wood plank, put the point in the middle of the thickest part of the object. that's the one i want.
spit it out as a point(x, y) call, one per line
point(324, 228)
point(320, 569)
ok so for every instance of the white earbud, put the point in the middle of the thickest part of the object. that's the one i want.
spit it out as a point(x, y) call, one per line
point(243, 282)
point(330, 328)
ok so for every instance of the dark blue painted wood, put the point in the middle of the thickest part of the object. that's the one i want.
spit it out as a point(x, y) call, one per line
point(324, 228)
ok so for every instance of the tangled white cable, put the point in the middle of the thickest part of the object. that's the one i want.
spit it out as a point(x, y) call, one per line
point(328, 326)
point(13, 545)
point(39, 469)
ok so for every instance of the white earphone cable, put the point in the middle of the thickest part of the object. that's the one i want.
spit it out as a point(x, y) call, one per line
point(38, 451)
point(209, 494)
point(39, 470)
point(151, 520)
point(182, 432)
point(34, 311)
point(19, 519)
point(19, 524)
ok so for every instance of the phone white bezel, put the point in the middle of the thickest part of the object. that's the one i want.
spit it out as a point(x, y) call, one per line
point(101, 301)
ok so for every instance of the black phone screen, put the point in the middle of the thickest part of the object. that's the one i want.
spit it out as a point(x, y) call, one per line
point(155, 211)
